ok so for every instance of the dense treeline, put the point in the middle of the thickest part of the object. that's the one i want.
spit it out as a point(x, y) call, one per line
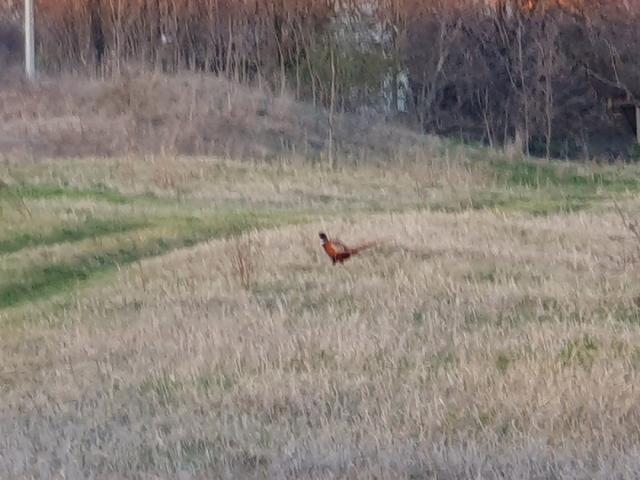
point(534, 72)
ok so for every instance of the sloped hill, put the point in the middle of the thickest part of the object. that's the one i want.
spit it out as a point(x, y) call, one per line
point(185, 114)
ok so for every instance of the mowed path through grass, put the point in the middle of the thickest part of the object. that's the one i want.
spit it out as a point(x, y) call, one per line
point(495, 333)
point(64, 224)
point(67, 224)
point(53, 239)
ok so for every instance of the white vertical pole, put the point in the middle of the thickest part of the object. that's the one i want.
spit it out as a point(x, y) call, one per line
point(29, 41)
point(638, 124)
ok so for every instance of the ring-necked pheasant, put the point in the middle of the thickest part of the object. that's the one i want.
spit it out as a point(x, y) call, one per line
point(338, 251)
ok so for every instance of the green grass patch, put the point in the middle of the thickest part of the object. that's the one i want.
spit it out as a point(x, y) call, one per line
point(545, 188)
point(41, 281)
point(541, 188)
point(90, 228)
point(165, 389)
point(581, 351)
point(124, 228)
point(517, 200)
point(444, 360)
point(503, 362)
point(570, 177)
point(48, 192)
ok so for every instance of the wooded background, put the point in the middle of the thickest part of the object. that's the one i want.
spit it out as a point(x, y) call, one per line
point(555, 77)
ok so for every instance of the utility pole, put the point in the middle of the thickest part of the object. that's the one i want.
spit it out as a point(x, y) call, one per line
point(29, 40)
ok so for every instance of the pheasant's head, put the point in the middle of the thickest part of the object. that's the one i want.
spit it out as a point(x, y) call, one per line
point(323, 237)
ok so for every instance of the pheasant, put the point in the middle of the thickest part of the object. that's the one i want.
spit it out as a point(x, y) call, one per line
point(338, 251)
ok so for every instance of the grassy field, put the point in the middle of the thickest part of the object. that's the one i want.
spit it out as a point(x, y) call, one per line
point(169, 317)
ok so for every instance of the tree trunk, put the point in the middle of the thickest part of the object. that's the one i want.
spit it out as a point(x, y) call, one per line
point(638, 124)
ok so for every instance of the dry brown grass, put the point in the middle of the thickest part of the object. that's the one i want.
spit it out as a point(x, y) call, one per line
point(473, 344)
point(186, 114)
point(244, 256)
point(476, 345)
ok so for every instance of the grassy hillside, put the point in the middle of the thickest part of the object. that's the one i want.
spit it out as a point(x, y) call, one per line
point(185, 114)
point(167, 316)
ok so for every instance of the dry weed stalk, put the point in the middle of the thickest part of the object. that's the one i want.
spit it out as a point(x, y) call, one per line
point(632, 225)
point(15, 199)
point(243, 257)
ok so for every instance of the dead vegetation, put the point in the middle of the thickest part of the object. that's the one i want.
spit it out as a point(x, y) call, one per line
point(479, 341)
point(479, 346)
point(244, 255)
point(539, 75)
point(188, 114)
point(158, 320)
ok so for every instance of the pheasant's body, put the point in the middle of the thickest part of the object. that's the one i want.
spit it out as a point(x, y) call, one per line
point(338, 251)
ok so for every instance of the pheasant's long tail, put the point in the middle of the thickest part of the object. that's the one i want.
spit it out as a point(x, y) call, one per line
point(363, 247)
